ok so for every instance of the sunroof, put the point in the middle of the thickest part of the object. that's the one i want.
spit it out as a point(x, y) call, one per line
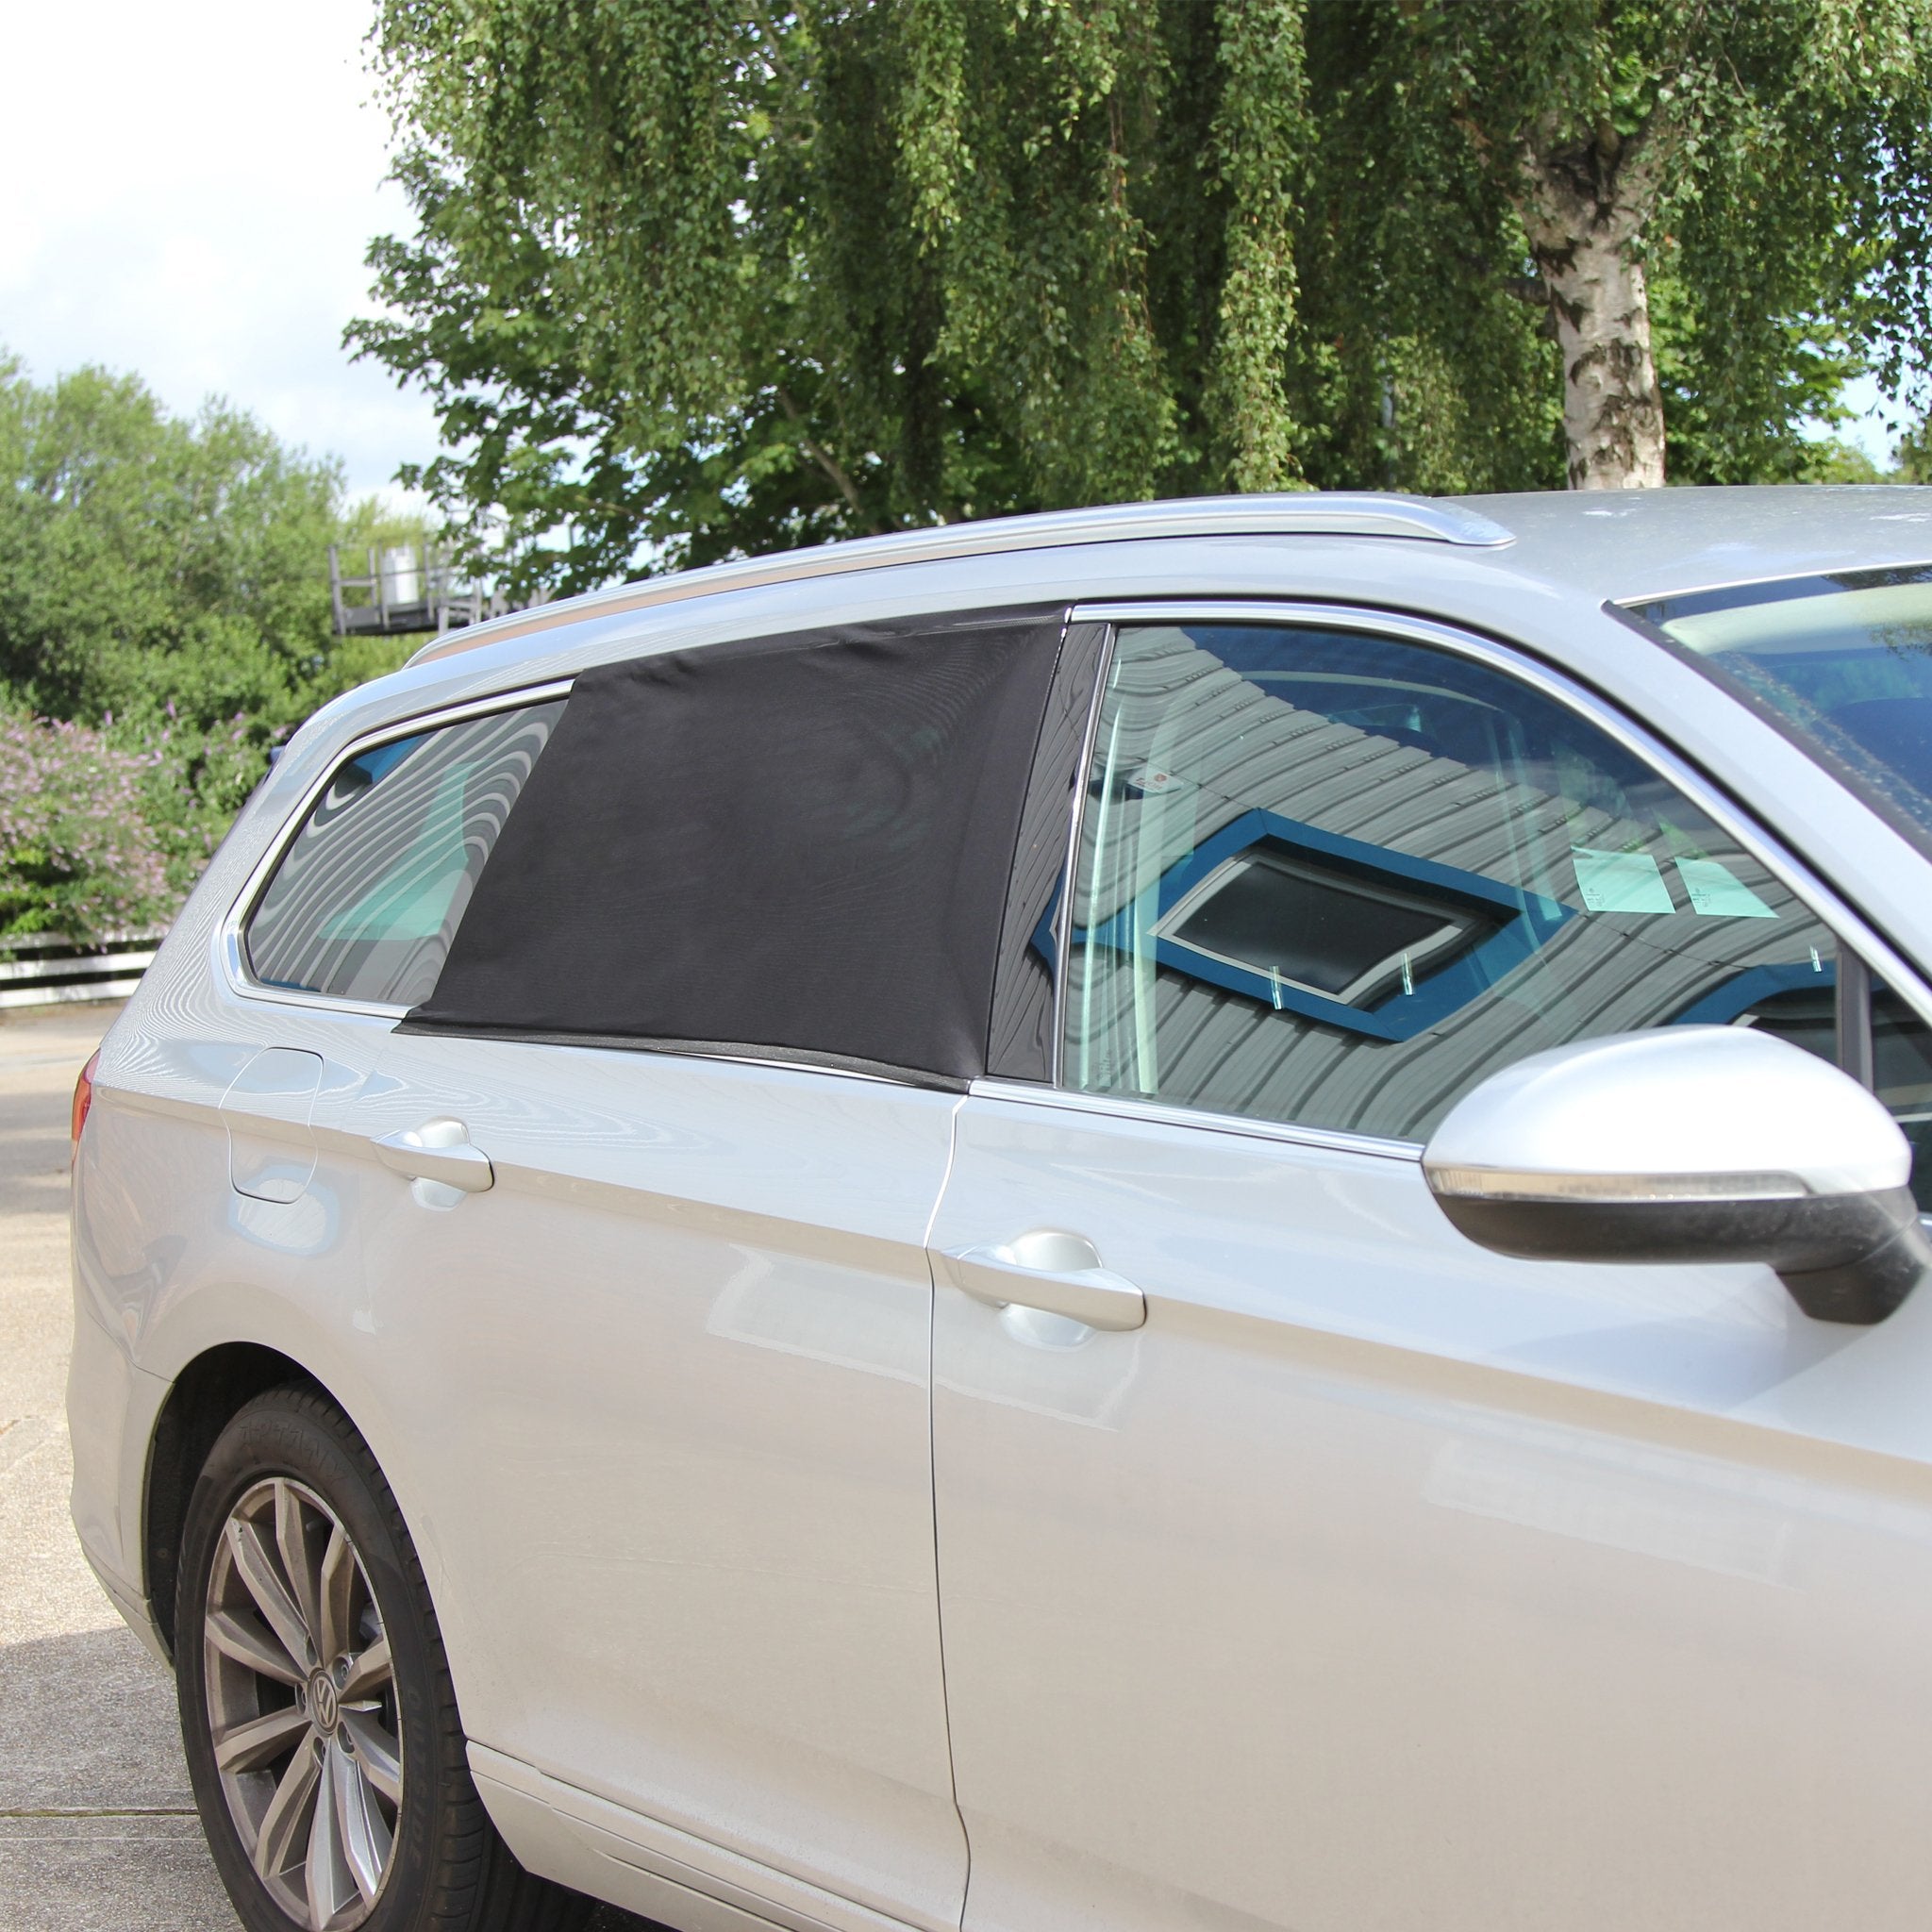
point(1321, 930)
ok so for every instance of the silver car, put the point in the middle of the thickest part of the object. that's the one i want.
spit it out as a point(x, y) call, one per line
point(1198, 1216)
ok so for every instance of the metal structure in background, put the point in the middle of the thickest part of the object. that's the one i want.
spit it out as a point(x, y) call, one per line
point(407, 589)
point(48, 969)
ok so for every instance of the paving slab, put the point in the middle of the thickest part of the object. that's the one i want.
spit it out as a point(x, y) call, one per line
point(97, 1825)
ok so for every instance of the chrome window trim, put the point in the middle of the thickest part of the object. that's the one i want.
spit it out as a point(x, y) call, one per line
point(1165, 1114)
point(1798, 878)
point(232, 961)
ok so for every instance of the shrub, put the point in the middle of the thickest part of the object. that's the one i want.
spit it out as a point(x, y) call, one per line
point(164, 584)
point(78, 854)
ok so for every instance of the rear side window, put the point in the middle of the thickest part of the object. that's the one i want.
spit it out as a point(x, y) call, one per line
point(370, 893)
point(797, 845)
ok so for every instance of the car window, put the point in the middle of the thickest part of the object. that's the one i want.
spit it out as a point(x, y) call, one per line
point(369, 894)
point(1844, 665)
point(798, 844)
point(1337, 879)
point(1902, 1076)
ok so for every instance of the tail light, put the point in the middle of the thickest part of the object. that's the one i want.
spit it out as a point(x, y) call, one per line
point(84, 1097)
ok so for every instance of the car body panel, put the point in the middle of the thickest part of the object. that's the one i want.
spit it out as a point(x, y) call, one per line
point(111, 1406)
point(675, 1364)
point(1628, 1500)
point(170, 1261)
point(594, 1845)
point(1380, 1580)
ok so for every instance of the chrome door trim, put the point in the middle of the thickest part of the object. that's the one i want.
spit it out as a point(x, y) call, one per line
point(1798, 878)
point(231, 961)
point(1162, 1114)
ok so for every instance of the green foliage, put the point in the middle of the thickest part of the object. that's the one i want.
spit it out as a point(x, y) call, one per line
point(1776, 145)
point(699, 280)
point(1912, 455)
point(165, 584)
point(147, 561)
point(1835, 461)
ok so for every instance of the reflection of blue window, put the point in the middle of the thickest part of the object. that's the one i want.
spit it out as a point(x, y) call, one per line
point(1730, 1000)
point(373, 766)
point(1332, 928)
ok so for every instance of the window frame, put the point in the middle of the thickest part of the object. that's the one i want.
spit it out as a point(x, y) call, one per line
point(232, 953)
point(1874, 956)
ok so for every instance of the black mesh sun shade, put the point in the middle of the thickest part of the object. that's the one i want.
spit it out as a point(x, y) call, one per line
point(800, 843)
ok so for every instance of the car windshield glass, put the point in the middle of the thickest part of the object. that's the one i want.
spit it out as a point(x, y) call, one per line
point(1843, 661)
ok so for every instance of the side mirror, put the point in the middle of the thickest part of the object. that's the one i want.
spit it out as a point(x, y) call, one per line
point(1690, 1144)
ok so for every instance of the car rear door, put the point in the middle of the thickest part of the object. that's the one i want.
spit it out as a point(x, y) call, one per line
point(665, 1143)
point(1301, 1564)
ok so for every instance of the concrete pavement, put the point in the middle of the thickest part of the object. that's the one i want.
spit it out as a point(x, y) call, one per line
point(97, 1826)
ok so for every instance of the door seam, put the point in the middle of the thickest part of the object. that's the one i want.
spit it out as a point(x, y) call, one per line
point(932, 1472)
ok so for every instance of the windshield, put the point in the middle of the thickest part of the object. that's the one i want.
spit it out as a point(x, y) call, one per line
point(1844, 663)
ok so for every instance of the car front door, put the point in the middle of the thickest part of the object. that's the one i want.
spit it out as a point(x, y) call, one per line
point(1301, 1563)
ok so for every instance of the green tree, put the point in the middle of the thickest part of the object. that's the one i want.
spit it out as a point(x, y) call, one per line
point(1767, 158)
point(147, 562)
point(164, 584)
point(158, 571)
point(704, 279)
point(1912, 453)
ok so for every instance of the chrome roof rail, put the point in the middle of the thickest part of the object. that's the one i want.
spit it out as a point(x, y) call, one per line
point(1299, 513)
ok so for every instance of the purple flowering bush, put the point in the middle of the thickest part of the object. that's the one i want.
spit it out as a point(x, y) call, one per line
point(78, 853)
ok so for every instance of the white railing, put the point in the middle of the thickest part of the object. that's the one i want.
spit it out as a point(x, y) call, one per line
point(406, 589)
point(47, 969)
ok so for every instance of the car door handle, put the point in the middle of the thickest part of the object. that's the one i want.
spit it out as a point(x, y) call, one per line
point(1048, 1270)
point(438, 1151)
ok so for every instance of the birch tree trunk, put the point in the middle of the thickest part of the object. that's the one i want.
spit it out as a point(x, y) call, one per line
point(1584, 207)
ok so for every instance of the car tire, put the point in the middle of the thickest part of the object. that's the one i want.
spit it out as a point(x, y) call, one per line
point(320, 1721)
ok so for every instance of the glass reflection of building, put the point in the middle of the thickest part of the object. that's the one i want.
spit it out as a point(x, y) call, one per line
point(1342, 899)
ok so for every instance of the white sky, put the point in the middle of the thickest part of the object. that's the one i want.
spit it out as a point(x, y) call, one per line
point(187, 190)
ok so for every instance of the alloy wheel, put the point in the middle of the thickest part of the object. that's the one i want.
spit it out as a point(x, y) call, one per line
point(302, 1706)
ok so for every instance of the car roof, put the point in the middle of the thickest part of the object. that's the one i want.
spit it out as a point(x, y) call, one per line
point(1300, 513)
point(1621, 547)
point(1625, 546)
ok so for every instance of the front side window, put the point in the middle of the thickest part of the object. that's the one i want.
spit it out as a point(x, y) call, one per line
point(369, 895)
point(1901, 1078)
point(1337, 879)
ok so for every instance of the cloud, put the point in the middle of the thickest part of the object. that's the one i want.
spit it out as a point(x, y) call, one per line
point(189, 193)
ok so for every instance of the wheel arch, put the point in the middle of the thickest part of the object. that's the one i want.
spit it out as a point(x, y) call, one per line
point(205, 1397)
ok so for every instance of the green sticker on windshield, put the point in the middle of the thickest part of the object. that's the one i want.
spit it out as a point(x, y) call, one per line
point(1620, 881)
point(1714, 890)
